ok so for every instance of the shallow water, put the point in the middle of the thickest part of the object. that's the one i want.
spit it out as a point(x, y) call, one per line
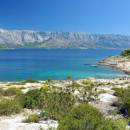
point(42, 64)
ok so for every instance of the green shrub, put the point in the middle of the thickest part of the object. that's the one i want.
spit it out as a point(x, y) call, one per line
point(85, 117)
point(32, 98)
point(119, 124)
point(35, 98)
point(58, 104)
point(124, 95)
point(2, 92)
point(88, 91)
point(12, 91)
point(88, 82)
point(113, 125)
point(21, 100)
point(46, 115)
point(81, 118)
point(9, 106)
point(33, 118)
point(45, 86)
point(119, 92)
point(29, 81)
point(126, 53)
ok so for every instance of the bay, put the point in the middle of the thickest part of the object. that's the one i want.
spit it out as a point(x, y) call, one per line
point(43, 64)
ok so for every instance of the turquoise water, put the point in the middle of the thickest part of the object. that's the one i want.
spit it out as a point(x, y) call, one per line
point(42, 64)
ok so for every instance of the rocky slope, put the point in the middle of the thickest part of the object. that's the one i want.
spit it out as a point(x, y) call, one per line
point(27, 38)
point(103, 100)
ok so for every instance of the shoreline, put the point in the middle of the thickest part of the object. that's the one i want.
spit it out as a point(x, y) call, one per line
point(118, 63)
point(37, 83)
point(66, 80)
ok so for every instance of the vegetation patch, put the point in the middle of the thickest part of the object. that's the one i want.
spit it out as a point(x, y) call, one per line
point(55, 104)
point(124, 96)
point(9, 106)
point(32, 118)
point(2, 92)
point(12, 91)
point(126, 53)
point(29, 81)
point(85, 117)
point(32, 98)
point(58, 104)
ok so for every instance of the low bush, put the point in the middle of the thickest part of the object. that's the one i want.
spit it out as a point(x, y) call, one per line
point(88, 82)
point(45, 86)
point(45, 115)
point(85, 117)
point(119, 124)
point(32, 118)
point(124, 95)
point(119, 92)
point(9, 106)
point(126, 53)
point(2, 92)
point(55, 104)
point(58, 104)
point(29, 81)
point(32, 99)
point(12, 91)
point(81, 117)
point(35, 98)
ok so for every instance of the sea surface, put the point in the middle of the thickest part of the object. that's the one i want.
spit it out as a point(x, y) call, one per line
point(43, 64)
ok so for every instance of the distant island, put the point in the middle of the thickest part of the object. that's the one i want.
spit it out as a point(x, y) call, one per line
point(35, 39)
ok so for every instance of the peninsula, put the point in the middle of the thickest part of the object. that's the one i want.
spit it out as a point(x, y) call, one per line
point(120, 62)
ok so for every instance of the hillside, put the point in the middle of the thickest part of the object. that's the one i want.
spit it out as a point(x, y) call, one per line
point(27, 38)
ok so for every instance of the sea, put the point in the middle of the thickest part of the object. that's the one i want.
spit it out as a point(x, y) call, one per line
point(55, 64)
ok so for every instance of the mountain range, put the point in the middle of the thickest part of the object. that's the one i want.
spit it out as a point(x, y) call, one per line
point(35, 39)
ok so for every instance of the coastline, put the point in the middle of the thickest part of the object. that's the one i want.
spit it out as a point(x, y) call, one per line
point(117, 62)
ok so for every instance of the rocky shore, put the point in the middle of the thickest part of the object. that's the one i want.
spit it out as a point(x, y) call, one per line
point(117, 62)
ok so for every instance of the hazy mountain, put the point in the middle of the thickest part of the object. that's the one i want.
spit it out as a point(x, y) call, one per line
point(27, 38)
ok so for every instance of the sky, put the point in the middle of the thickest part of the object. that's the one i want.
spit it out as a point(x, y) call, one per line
point(93, 16)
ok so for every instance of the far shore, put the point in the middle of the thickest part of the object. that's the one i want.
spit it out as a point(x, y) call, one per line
point(117, 62)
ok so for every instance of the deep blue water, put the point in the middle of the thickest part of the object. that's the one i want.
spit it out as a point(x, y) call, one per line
point(42, 64)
